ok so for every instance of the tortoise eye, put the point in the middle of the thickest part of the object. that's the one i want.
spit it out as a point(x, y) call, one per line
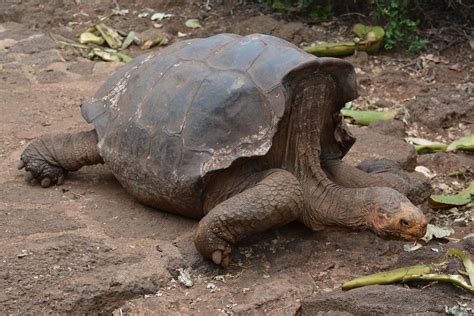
point(404, 223)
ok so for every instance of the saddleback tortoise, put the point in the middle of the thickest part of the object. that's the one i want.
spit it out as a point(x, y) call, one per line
point(243, 133)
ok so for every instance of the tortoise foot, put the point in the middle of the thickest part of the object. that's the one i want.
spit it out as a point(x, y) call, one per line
point(37, 161)
point(413, 184)
point(212, 247)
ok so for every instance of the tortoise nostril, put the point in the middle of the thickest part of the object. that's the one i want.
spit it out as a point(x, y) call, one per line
point(404, 223)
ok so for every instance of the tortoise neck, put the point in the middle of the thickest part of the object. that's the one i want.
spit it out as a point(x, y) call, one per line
point(328, 204)
point(312, 131)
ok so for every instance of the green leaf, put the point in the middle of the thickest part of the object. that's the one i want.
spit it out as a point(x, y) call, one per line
point(331, 49)
point(387, 277)
point(124, 58)
point(466, 261)
point(367, 117)
point(160, 40)
point(277, 5)
point(362, 31)
point(105, 56)
point(419, 273)
point(423, 146)
point(465, 143)
point(131, 38)
point(462, 198)
point(371, 35)
point(87, 37)
point(193, 23)
point(111, 36)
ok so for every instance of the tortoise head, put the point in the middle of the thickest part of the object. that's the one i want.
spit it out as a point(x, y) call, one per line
point(392, 215)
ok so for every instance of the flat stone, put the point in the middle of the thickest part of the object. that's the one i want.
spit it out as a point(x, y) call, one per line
point(34, 44)
point(43, 58)
point(391, 127)
point(373, 300)
point(374, 146)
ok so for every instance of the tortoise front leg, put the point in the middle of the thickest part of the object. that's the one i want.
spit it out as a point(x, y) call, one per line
point(49, 157)
point(383, 173)
point(275, 200)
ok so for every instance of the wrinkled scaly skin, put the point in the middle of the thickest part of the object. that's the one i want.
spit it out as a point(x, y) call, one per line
point(301, 177)
point(49, 158)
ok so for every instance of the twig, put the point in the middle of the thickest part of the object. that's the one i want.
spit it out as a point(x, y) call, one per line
point(353, 13)
point(409, 65)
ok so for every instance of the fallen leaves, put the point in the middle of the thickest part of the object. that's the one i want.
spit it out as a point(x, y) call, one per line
point(433, 231)
point(464, 143)
point(193, 23)
point(423, 146)
point(426, 146)
point(421, 272)
point(160, 40)
point(462, 198)
point(367, 117)
point(110, 35)
point(160, 16)
point(369, 38)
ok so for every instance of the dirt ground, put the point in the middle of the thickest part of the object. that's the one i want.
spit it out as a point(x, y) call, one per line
point(88, 247)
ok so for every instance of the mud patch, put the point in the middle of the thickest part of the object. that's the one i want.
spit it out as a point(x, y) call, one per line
point(69, 273)
point(25, 222)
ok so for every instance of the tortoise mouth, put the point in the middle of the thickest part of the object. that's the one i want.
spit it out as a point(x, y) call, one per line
point(393, 234)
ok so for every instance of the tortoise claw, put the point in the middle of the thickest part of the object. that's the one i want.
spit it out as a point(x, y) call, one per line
point(221, 258)
point(217, 257)
point(60, 180)
point(20, 165)
point(28, 177)
point(46, 182)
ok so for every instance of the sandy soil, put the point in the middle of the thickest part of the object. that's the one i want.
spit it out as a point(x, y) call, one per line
point(88, 247)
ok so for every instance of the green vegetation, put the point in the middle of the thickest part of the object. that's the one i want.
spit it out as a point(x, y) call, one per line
point(400, 29)
point(312, 8)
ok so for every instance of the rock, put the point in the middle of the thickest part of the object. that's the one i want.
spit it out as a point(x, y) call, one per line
point(468, 242)
point(279, 296)
point(373, 300)
point(445, 163)
point(358, 59)
point(396, 79)
point(43, 58)
point(294, 32)
point(374, 146)
point(393, 128)
point(442, 108)
point(83, 67)
point(34, 44)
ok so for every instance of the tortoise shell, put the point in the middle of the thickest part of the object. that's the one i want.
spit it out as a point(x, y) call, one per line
point(167, 119)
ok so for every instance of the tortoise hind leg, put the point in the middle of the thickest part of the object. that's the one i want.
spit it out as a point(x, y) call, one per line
point(49, 157)
point(379, 174)
point(276, 199)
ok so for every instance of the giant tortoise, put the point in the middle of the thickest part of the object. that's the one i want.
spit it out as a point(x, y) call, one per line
point(243, 133)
